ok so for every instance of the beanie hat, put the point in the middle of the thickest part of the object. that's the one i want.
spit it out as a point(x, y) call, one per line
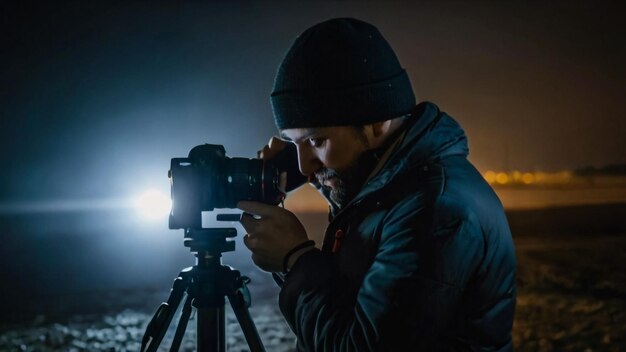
point(337, 73)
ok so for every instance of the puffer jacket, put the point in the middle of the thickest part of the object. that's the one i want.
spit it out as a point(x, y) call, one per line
point(421, 260)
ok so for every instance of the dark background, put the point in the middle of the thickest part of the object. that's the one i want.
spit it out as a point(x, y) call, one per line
point(95, 98)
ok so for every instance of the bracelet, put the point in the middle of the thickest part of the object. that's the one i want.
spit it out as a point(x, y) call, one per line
point(294, 250)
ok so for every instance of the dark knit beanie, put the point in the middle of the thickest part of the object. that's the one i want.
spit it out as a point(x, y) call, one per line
point(337, 73)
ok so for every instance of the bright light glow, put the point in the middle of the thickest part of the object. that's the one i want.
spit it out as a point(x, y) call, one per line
point(153, 204)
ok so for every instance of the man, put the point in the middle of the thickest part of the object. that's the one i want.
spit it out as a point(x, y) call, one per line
point(418, 254)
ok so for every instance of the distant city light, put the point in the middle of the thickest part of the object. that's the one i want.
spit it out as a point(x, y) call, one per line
point(540, 177)
point(153, 204)
point(502, 178)
point(490, 176)
point(528, 178)
point(536, 178)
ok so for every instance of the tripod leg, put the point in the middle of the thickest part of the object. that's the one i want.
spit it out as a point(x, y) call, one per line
point(211, 329)
point(240, 307)
point(182, 325)
point(162, 318)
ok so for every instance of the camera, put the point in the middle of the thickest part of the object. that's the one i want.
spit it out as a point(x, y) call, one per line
point(208, 179)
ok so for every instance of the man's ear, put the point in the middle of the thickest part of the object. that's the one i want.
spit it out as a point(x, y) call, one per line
point(376, 132)
point(379, 128)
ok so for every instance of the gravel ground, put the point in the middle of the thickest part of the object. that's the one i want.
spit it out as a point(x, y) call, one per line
point(123, 332)
point(571, 298)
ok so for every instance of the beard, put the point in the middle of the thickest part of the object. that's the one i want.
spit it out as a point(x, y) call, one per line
point(349, 180)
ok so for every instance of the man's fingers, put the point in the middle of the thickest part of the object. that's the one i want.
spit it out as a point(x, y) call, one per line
point(276, 144)
point(264, 153)
point(248, 222)
point(282, 182)
point(257, 208)
point(273, 147)
point(261, 262)
point(249, 241)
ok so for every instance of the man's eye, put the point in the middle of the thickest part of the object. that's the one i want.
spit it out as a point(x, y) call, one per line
point(316, 142)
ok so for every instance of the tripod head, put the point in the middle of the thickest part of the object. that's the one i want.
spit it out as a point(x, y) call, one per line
point(212, 241)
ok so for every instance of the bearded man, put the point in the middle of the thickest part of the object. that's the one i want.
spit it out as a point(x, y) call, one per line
point(418, 253)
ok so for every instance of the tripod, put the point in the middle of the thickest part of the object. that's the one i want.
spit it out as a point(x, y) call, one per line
point(206, 284)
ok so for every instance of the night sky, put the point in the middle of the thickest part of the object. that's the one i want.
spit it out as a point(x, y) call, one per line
point(95, 99)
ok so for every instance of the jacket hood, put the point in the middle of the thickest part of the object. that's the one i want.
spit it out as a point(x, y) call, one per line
point(429, 135)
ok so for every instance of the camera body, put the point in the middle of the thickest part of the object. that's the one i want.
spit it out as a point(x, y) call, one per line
point(208, 179)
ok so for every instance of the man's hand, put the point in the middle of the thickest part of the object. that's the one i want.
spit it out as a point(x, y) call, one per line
point(272, 232)
point(284, 155)
point(273, 147)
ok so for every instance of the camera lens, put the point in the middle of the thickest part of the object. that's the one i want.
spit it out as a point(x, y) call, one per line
point(251, 179)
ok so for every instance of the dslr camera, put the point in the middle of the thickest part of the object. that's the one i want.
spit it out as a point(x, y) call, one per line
point(208, 179)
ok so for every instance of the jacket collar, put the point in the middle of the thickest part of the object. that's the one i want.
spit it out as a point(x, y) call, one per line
point(429, 136)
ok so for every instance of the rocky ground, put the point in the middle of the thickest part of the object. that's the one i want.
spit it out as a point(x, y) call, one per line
point(572, 293)
point(571, 298)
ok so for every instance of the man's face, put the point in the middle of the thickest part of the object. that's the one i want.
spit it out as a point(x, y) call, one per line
point(339, 157)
